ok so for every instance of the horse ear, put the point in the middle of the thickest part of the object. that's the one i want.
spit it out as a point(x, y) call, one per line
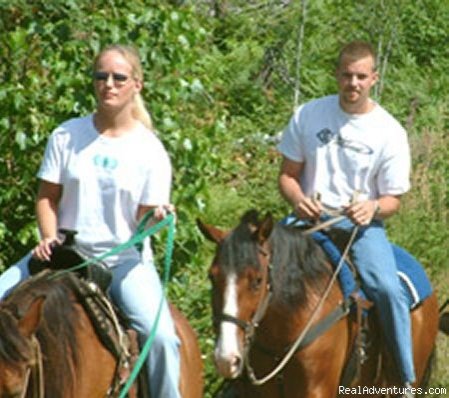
point(251, 219)
point(30, 321)
point(265, 228)
point(210, 232)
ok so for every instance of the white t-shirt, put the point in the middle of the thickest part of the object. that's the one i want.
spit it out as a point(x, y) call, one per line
point(343, 153)
point(104, 180)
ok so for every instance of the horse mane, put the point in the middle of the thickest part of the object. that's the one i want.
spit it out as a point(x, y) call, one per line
point(14, 348)
point(239, 250)
point(57, 338)
point(298, 263)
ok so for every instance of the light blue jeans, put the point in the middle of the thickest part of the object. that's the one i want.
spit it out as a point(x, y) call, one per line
point(374, 259)
point(137, 290)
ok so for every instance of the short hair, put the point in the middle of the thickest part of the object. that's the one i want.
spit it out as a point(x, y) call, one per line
point(356, 50)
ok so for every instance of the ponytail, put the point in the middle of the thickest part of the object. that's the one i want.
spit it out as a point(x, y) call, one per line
point(141, 113)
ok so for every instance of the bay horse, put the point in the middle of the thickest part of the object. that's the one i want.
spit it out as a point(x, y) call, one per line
point(49, 346)
point(267, 280)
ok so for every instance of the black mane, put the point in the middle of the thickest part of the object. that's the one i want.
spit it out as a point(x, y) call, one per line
point(298, 263)
point(239, 250)
point(56, 332)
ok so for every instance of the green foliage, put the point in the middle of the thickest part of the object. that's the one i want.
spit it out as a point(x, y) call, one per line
point(221, 81)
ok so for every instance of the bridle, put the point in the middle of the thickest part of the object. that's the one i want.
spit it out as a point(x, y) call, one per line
point(34, 377)
point(249, 327)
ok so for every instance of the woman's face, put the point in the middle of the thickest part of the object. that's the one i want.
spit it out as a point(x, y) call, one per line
point(114, 83)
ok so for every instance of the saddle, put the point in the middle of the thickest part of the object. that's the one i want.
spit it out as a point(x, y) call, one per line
point(413, 280)
point(68, 255)
point(90, 285)
point(411, 275)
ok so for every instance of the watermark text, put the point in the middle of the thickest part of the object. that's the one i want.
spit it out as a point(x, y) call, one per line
point(363, 390)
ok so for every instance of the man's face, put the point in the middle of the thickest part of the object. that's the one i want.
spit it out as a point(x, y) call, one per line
point(355, 79)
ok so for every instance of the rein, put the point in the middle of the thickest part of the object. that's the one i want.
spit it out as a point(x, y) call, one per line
point(303, 335)
point(34, 373)
point(135, 241)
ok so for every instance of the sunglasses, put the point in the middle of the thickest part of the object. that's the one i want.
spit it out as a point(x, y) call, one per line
point(104, 76)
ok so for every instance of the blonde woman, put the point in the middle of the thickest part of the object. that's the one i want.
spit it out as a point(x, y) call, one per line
point(99, 175)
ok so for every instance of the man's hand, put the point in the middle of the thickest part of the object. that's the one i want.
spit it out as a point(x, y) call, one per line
point(309, 209)
point(362, 213)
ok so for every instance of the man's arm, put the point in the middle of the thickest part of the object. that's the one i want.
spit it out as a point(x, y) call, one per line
point(291, 190)
point(362, 213)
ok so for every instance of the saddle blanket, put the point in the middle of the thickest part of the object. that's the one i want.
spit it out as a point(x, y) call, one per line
point(411, 273)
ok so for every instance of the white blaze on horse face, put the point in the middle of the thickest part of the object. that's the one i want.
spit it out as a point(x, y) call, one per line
point(228, 356)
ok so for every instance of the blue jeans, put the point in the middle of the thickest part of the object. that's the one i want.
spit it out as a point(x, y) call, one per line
point(373, 256)
point(137, 290)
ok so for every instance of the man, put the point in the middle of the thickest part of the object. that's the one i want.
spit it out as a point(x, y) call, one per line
point(345, 147)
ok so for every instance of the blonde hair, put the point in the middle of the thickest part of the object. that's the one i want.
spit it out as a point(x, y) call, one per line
point(131, 54)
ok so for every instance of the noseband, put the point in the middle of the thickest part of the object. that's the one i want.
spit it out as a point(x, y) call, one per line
point(249, 327)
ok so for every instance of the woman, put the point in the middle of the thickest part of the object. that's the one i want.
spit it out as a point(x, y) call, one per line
point(99, 175)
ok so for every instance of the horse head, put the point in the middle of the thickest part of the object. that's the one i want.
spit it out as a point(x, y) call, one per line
point(240, 280)
point(18, 347)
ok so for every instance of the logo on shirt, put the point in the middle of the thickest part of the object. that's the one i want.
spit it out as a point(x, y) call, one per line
point(105, 162)
point(326, 136)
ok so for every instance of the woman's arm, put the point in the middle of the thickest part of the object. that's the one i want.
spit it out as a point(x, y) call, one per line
point(47, 203)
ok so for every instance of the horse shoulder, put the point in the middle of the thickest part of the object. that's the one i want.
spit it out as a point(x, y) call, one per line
point(191, 383)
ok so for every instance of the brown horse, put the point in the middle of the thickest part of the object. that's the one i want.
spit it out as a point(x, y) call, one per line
point(50, 348)
point(267, 281)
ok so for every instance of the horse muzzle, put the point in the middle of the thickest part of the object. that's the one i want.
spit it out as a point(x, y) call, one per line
point(228, 353)
point(228, 362)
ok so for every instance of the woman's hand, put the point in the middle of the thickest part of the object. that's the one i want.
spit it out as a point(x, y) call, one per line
point(161, 211)
point(43, 250)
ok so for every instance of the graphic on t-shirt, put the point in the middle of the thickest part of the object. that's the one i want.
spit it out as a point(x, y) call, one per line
point(326, 136)
point(105, 162)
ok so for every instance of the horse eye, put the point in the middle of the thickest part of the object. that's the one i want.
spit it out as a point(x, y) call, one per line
point(256, 283)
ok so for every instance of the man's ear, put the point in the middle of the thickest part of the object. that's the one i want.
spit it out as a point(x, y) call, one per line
point(375, 78)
